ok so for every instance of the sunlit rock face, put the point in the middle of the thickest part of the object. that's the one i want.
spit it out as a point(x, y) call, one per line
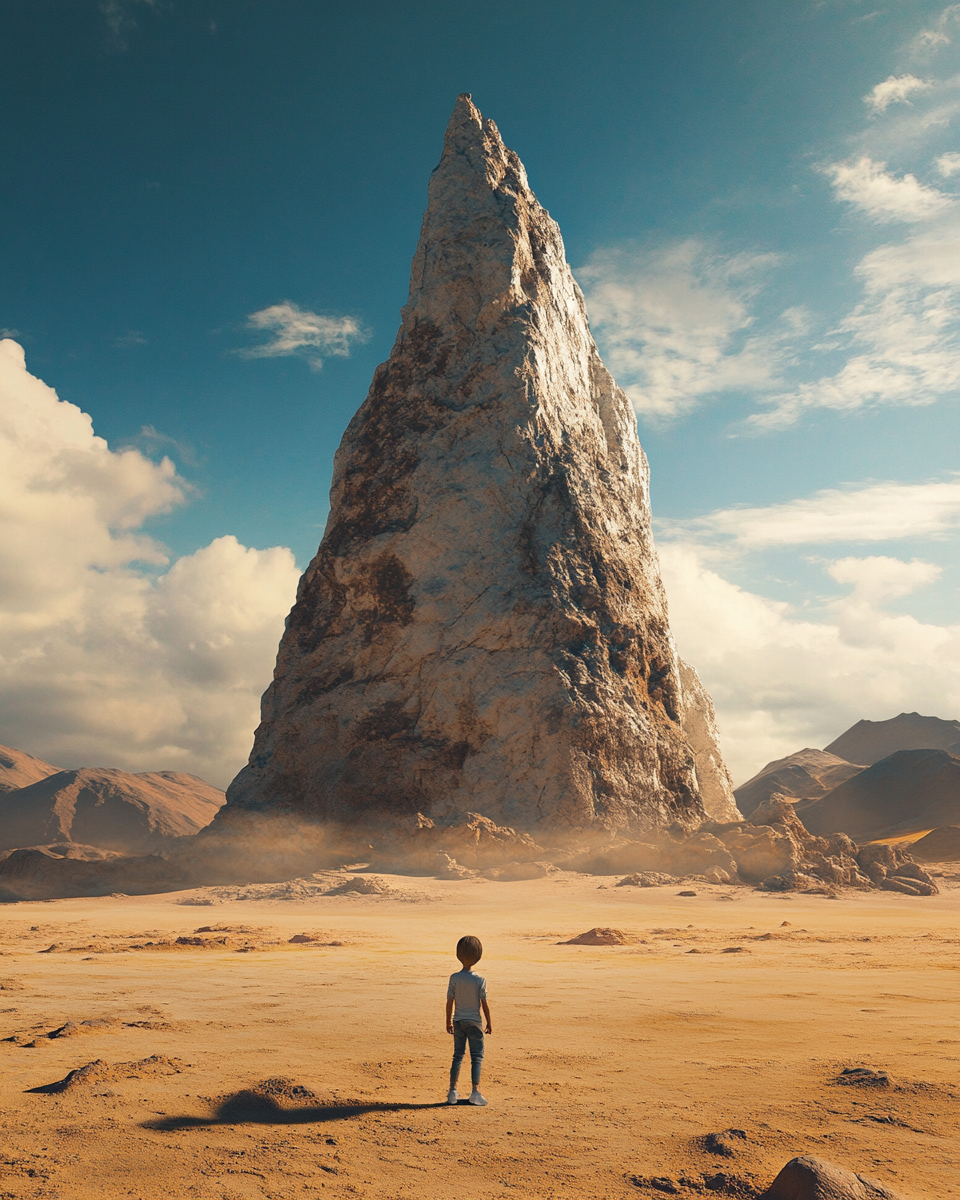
point(483, 628)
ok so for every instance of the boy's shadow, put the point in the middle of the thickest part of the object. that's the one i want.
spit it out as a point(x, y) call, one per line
point(252, 1108)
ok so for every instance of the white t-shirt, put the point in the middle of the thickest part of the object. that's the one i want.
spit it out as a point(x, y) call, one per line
point(467, 989)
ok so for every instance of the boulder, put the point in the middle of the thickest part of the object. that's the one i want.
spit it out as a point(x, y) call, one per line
point(811, 1178)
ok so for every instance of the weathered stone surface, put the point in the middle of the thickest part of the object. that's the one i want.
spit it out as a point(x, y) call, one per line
point(484, 627)
point(811, 1178)
point(699, 722)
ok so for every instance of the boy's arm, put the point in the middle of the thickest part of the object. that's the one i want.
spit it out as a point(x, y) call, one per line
point(485, 1008)
point(449, 1014)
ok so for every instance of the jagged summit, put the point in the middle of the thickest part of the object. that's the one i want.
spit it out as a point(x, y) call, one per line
point(483, 628)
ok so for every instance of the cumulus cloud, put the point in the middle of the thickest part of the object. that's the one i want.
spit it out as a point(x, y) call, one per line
point(298, 332)
point(869, 186)
point(675, 323)
point(873, 512)
point(106, 658)
point(948, 164)
point(902, 339)
point(781, 680)
point(893, 90)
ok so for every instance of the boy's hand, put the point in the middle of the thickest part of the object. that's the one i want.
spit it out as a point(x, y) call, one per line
point(489, 1028)
point(449, 1027)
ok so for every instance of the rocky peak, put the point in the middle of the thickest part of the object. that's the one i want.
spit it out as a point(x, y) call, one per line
point(483, 628)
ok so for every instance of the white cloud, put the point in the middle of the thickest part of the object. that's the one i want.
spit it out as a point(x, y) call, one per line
point(781, 681)
point(872, 512)
point(675, 323)
point(948, 164)
point(101, 662)
point(903, 337)
point(297, 331)
point(894, 90)
point(931, 40)
point(882, 196)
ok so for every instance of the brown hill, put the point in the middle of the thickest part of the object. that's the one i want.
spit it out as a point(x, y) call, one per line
point(19, 769)
point(115, 810)
point(869, 741)
point(807, 775)
point(939, 845)
point(907, 792)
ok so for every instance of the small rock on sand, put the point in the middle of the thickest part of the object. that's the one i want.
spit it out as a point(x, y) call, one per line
point(600, 937)
point(811, 1178)
point(725, 1143)
point(686, 893)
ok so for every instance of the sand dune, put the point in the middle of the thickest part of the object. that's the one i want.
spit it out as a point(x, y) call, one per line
point(240, 1063)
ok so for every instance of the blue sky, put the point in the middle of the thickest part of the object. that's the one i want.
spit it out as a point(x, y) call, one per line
point(209, 211)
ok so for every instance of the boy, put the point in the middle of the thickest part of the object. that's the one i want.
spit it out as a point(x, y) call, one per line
point(469, 991)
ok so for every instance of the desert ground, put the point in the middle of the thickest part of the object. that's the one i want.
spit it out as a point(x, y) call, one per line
point(240, 1064)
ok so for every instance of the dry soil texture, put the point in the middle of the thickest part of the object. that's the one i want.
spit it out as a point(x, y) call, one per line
point(236, 1063)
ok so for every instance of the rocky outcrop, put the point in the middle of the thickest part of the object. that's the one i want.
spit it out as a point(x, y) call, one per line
point(484, 628)
point(869, 741)
point(113, 810)
point(806, 775)
point(19, 769)
point(699, 723)
point(812, 1178)
point(911, 791)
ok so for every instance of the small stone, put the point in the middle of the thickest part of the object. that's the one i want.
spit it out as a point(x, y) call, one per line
point(686, 893)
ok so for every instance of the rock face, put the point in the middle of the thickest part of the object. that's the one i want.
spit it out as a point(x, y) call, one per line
point(699, 723)
point(807, 775)
point(869, 741)
point(19, 769)
point(113, 810)
point(483, 628)
point(909, 792)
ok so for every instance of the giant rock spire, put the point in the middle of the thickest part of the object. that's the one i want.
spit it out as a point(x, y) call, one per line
point(483, 628)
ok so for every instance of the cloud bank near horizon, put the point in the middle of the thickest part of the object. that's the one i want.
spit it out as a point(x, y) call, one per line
point(111, 656)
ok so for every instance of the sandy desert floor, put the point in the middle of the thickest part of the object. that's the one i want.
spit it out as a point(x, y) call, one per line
point(282, 1069)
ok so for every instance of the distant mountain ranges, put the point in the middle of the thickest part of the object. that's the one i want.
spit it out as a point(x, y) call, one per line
point(97, 812)
point(881, 780)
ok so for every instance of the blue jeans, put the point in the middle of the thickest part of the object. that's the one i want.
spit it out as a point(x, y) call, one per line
point(463, 1032)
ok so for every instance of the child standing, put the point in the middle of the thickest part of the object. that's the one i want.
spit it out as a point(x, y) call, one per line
point(468, 992)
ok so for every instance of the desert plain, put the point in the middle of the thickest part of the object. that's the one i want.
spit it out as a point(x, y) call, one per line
point(237, 1063)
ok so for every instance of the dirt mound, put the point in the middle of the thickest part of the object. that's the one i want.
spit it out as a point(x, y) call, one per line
point(99, 1071)
point(115, 810)
point(864, 1077)
point(361, 885)
point(601, 936)
point(646, 879)
point(806, 775)
point(939, 845)
point(869, 741)
point(907, 792)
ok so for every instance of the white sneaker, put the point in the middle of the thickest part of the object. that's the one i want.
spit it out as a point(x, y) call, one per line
point(476, 1098)
point(452, 1096)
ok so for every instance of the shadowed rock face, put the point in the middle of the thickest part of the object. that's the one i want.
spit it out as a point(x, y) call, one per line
point(483, 628)
point(806, 775)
